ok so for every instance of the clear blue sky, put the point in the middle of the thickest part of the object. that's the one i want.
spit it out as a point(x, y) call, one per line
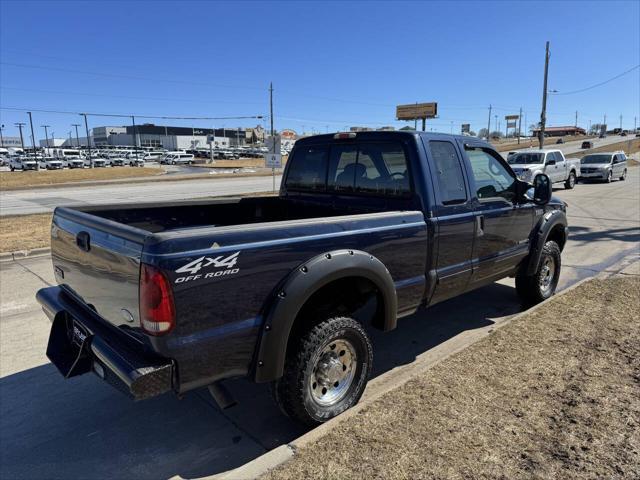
point(332, 64)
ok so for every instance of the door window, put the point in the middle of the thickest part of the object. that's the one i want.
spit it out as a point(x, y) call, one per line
point(448, 172)
point(493, 180)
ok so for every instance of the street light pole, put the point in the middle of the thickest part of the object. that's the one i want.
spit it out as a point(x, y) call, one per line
point(20, 125)
point(543, 113)
point(77, 136)
point(33, 137)
point(86, 128)
point(46, 134)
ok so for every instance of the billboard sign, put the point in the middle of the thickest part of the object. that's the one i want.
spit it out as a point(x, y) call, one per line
point(414, 111)
point(465, 128)
point(512, 117)
point(511, 124)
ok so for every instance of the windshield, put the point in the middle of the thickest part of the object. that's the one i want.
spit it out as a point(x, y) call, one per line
point(524, 158)
point(596, 159)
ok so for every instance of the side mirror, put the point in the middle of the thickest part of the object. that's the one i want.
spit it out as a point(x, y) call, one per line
point(550, 162)
point(540, 193)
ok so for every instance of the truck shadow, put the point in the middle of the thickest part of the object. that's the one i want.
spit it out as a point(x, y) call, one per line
point(82, 428)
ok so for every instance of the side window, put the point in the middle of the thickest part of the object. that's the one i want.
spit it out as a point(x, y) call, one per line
point(558, 157)
point(448, 172)
point(308, 169)
point(492, 178)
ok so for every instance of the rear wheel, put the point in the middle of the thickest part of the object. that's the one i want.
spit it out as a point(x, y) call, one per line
point(571, 181)
point(543, 283)
point(624, 175)
point(325, 372)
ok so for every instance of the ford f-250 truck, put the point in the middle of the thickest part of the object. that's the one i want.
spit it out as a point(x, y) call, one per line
point(368, 227)
point(530, 163)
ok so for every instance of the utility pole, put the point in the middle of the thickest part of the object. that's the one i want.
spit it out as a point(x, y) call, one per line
point(621, 123)
point(46, 134)
point(489, 123)
point(576, 119)
point(86, 127)
point(273, 138)
point(20, 125)
point(543, 113)
point(135, 138)
point(519, 125)
point(77, 136)
point(33, 137)
point(415, 120)
point(635, 128)
point(1, 137)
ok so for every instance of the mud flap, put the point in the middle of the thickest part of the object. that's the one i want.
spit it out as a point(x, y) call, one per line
point(68, 347)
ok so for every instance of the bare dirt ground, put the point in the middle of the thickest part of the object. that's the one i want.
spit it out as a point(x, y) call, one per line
point(553, 395)
point(12, 180)
point(504, 145)
point(24, 232)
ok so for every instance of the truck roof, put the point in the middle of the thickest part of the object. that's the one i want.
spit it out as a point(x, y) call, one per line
point(389, 135)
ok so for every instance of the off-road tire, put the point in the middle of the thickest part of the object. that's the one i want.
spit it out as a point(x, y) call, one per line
point(530, 288)
point(571, 181)
point(293, 392)
point(624, 175)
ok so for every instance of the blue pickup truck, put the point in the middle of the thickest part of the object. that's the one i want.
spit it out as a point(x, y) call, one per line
point(368, 227)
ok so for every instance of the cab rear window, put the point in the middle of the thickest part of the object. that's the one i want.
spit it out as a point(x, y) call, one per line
point(360, 168)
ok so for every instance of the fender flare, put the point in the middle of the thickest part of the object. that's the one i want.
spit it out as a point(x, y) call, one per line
point(546, 225)
point(299, 286)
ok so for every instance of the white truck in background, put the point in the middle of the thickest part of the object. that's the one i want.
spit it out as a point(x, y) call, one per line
point(531, 163)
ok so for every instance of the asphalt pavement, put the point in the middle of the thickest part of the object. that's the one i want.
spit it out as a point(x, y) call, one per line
point(83, 428)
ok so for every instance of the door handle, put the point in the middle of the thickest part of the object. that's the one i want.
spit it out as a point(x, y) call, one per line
point(83, 240)
point(480, 225)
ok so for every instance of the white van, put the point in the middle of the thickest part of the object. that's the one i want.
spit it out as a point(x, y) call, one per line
point(179, 158)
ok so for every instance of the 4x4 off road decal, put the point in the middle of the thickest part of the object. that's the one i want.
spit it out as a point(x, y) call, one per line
point(224, 266)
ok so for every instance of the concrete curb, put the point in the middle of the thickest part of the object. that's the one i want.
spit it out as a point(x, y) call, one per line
point(390, 381)
point(23, 254)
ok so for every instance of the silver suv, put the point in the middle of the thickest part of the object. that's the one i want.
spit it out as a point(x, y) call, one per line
point(604, 166)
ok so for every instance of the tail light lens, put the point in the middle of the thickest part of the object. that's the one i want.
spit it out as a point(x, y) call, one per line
point(157, 310)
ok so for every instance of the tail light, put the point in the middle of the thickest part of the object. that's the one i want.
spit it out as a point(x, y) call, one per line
point(157, 310)
point(344, 135)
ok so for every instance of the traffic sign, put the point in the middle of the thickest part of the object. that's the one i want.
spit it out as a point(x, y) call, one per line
point(273, 160)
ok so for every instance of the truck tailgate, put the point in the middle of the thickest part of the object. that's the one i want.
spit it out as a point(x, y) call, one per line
point(98, 261)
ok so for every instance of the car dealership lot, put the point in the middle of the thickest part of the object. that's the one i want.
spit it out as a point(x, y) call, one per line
point(84, 428)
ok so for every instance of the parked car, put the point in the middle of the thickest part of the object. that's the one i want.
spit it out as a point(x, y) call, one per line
point(623, 134)
point(23, 163)
point(51, 163)
point(531, 163)
point(179, 158)
point(604, 166)
point(602, 135)
point(587, 144)
point(559, 141)
point(364, 232)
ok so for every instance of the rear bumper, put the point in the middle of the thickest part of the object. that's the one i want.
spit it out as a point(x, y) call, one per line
point(80, 341)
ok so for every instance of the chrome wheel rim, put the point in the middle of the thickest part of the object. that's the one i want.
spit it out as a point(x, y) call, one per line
point(547, 272)
point(333, 372)
point(572, 180)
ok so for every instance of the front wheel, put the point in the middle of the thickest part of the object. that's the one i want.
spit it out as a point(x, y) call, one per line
point(325, 372)
point(571, 181)
point(624, 175)
point(542, 284)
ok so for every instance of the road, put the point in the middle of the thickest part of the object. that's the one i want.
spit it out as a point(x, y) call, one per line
point(41, 200)
point(82, 428)
point(572, 147)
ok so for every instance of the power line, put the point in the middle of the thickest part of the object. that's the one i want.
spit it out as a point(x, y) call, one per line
point(128, 115)
point(598, 84)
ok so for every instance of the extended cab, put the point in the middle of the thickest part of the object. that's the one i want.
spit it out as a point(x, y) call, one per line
point(368, 227)
point(529, 164)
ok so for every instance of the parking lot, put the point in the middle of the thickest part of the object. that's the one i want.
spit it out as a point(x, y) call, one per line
point(82, 428)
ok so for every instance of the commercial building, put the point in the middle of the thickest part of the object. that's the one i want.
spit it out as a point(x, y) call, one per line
point(174, 138)
point(13, 142)
point(560, 131)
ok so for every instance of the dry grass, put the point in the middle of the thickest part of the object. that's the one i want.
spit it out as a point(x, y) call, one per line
point(630, 147)
point(24, 232)
point(555, 394)
point(18, 179)
point(240, 163)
